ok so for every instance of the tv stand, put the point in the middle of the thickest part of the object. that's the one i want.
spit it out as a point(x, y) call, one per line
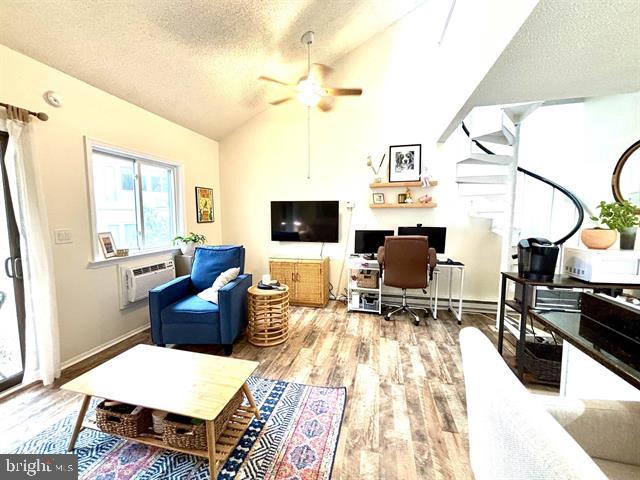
point(307, 279)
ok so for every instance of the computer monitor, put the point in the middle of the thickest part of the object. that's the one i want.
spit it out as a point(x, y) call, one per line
point(368, 241)
point(437, 235)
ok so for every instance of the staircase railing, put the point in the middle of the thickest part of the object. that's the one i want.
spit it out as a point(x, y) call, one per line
point(571, 196)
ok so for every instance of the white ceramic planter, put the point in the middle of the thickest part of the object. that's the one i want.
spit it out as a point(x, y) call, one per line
point(188, 248)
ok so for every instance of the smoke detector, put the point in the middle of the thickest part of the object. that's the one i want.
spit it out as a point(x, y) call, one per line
point(52, 98)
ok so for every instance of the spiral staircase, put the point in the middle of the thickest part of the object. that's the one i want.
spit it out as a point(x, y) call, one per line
point(489, 179)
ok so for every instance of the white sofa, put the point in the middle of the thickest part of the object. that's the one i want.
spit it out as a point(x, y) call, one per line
point(514, 434)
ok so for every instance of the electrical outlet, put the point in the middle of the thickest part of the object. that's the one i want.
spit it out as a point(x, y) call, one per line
point(351, 204)
point(63, 235)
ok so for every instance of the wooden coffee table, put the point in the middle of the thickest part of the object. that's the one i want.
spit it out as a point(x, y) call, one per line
point(191, 384)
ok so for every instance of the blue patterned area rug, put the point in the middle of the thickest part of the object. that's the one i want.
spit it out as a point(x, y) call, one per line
point(299, 442)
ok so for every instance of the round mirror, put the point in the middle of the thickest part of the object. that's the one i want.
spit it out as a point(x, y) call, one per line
point(626, 176)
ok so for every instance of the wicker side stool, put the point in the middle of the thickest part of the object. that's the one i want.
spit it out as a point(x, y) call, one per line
point(268, 316)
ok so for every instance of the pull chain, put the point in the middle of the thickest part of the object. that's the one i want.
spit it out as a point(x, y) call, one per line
point(308, 143)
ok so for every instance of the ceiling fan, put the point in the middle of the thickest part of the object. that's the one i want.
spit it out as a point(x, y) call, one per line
point(310, 88)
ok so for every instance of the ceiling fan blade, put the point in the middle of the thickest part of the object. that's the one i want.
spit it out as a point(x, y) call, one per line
point(341, 92)
point(325, 104)
point(269, 79)
point(319, 71)
point(282, 100)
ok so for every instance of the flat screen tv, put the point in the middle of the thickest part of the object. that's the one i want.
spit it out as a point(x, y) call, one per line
point(305, 221)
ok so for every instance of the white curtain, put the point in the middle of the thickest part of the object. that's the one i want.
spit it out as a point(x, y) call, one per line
point(41, 322)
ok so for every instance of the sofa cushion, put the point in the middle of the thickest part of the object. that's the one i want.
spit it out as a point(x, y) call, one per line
point(209, 262)
point(191, 309)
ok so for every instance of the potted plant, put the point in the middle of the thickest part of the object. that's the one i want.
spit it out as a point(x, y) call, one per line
point(189, 242)
point(619, 217)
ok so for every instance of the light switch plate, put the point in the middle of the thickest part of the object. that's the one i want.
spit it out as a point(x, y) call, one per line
point(63, 235)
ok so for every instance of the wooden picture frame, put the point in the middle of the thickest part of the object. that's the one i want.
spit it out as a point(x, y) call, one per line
point(378, 198)
point(405, 163)
point(617, 173)
point(107, 244)
point(204, 205)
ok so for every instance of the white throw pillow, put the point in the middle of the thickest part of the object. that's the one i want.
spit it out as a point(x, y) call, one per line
point(211, 293)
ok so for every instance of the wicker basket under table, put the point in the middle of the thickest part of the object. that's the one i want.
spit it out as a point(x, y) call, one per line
point(189, 436)
point(544, 361)
point(125, 424)
point(268, 316)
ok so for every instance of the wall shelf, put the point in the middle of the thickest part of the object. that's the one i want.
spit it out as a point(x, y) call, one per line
point(403, 205)
point(432, 183)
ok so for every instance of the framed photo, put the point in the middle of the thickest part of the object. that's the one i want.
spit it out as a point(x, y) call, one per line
point(378, 198)
point(204, 205)
point(405, 163)
point(107, 244)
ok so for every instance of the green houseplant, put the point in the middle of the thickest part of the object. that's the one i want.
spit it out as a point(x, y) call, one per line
point(621, 217)
point(189, 242)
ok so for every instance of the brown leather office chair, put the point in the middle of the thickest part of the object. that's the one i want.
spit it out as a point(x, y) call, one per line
point(404, 261)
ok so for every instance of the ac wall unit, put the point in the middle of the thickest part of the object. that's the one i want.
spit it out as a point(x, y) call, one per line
point(137, 281)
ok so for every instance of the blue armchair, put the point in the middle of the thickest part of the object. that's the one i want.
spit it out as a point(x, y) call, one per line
point(179, 316)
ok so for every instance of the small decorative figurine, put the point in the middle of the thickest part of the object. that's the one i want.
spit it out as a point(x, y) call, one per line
point(425, 199)
point(409, 198)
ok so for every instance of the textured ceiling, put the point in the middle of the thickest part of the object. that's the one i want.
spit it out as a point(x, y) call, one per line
point(193, 62)
point(566, 49)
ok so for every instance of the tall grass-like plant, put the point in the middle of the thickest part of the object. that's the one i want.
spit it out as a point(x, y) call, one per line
point(617, 215)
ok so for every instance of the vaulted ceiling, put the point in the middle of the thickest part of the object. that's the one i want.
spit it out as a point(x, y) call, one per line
point(565, 49)
point(193, 62)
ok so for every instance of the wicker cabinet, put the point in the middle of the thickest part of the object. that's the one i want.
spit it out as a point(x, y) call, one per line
point(307, 279)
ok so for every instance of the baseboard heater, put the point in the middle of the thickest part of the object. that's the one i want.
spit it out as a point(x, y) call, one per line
point(468, 306)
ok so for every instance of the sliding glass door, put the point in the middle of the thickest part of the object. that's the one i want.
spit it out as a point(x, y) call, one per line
point(12, 336)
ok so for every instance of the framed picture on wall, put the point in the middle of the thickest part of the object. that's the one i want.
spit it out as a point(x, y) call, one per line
point(378, 198)
point(405, 163)
point(107, 244)
point(204, 205)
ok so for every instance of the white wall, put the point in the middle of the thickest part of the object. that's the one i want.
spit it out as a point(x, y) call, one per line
point(88, 298)
point(576, 145)
point(410, 87)
point(579, 144)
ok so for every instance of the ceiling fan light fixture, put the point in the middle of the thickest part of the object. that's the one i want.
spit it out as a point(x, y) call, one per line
point(308, 92)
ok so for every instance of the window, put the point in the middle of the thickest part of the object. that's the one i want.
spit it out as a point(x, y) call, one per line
point(134, 198)
point(126, 178)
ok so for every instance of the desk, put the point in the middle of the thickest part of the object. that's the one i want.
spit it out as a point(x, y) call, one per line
point(569, 327)
point(558, 281)
point(433, 288)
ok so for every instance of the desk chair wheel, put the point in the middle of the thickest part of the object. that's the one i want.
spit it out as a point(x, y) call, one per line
point(416, 322)
point(387, 317)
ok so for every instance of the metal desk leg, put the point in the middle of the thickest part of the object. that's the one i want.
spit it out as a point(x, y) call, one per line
point(435, 307)
point(450, 285)
point(503, 293)
point(460, 296)
point(523, 330)
point(431, 295)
